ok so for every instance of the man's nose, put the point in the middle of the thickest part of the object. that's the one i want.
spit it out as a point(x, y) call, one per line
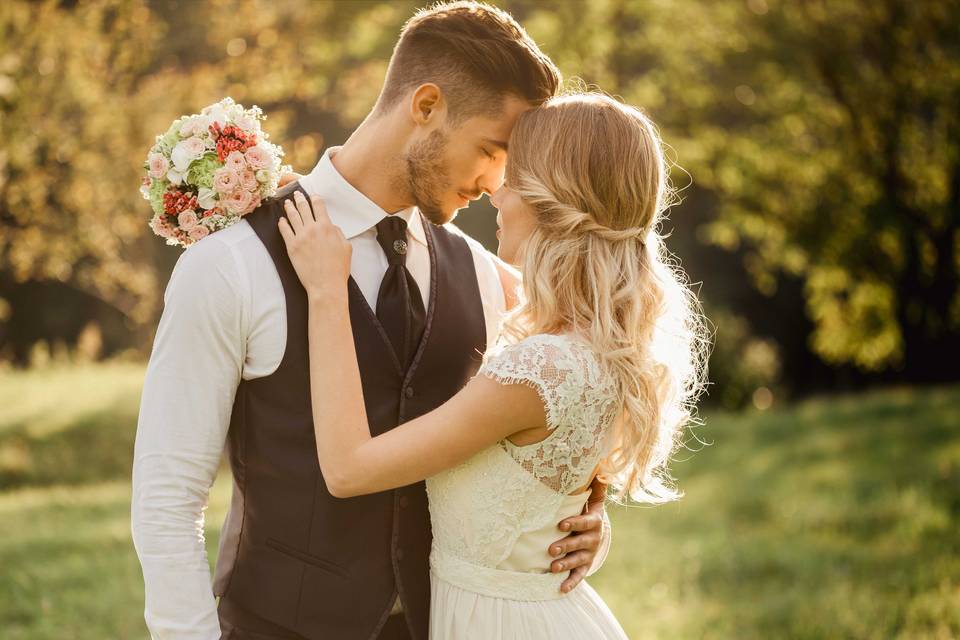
point(491, 179)
point(490, 182)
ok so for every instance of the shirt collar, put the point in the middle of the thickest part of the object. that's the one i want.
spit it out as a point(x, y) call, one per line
point(347, 207)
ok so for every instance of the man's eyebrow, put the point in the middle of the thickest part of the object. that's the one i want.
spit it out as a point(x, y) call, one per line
point(496, 143)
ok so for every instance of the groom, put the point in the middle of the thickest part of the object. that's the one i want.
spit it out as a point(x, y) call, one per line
point(229, 365)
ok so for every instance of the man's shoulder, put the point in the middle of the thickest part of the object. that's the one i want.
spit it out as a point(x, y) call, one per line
point(477, 249)
point(217, 250)
point(227, 238)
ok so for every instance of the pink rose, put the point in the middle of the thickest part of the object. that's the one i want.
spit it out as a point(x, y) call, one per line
point(248, 180)
point(195, 145)
point(199, 232)
point(239, 202)
point(235, 161)
point(194, 126)
point(187, 219)
point(158, 165)
point(245, 122)
point(258, 158)
point(225, 180)
point(160, 227)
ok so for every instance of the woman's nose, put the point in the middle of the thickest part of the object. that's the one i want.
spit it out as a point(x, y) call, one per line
point(495, 197)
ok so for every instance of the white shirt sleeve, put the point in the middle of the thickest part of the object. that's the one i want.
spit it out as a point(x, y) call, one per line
point(185, 409)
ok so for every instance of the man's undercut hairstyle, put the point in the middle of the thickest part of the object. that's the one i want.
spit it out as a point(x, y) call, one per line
point(477, 54)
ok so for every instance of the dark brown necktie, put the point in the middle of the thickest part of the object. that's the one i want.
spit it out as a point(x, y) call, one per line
point(399, 303)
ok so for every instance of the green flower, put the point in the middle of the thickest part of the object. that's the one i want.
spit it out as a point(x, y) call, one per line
point(157, 189)
point(200, 173)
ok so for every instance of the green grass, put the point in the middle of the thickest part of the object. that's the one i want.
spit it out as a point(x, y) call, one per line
point(834, 518)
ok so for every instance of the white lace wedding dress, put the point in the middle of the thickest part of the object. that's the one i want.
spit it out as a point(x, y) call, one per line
point(495, 515)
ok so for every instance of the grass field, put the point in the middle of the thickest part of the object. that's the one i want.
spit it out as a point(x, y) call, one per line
point(834, 518)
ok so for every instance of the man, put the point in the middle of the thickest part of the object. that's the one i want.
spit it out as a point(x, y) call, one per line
point(229, 364)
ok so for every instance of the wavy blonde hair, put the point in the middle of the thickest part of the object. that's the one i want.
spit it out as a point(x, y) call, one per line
point(593, 171)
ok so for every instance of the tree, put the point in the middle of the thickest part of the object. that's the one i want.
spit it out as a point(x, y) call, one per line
point(85, 87)
point(828, 134)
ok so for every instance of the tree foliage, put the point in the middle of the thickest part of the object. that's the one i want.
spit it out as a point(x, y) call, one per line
point(823, 139)
point(828, 134)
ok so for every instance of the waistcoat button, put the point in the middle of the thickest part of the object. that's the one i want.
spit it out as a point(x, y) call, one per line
point(404, 501)
point(408, 392)
point(399, 554)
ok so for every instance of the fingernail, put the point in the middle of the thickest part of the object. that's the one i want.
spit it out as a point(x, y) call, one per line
point(555, 551)
point(565, 526)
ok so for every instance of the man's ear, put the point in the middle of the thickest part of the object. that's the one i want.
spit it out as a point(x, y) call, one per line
point(427, 104)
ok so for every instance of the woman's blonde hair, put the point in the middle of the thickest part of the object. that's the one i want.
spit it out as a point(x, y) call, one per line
point(594, 173)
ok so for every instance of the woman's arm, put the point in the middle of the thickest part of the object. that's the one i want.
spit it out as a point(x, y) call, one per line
point(352, 462)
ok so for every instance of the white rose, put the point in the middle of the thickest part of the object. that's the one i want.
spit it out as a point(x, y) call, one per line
point(175, 177)
point(207, 198)
point(185, 152)
point(216, 113)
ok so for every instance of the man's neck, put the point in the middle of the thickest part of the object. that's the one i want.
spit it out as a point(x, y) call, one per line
point(369, 161)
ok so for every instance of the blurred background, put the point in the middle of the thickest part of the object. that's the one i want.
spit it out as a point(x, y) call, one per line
point(818, 147)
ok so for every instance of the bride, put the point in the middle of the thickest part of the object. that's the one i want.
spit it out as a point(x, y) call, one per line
point(596, 374)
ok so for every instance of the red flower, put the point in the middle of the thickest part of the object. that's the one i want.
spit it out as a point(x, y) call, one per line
point(175, 201)
point(230, 139)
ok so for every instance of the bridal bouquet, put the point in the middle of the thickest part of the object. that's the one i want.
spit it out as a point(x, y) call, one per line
point(209, 170)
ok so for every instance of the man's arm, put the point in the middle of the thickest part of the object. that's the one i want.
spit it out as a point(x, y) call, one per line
point(585, 549)
point(185, 410)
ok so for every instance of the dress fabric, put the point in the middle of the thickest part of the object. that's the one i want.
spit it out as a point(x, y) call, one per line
point(494, 516)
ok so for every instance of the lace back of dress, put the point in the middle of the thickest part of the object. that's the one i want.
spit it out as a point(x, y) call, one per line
point(579, 401)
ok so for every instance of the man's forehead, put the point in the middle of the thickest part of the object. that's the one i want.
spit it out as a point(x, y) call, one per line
point(496, 130)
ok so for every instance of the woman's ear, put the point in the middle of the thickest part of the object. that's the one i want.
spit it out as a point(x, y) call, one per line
point(427, 104)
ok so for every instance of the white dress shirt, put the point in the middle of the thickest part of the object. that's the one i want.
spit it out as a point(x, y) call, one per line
point(223, 321)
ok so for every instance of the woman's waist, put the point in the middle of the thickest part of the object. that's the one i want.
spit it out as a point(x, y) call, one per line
point(496, 582)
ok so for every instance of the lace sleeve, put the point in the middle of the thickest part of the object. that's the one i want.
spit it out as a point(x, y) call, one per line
point(538, 363)
point(578, 401)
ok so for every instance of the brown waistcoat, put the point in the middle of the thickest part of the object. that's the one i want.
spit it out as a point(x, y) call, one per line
point(323, 567)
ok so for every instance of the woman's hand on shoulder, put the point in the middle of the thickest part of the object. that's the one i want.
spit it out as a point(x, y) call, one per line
point(318, 250)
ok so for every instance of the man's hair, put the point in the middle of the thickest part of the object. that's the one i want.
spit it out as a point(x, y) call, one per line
point(477, 54)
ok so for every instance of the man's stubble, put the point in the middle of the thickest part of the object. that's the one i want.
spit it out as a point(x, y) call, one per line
point(427, 178)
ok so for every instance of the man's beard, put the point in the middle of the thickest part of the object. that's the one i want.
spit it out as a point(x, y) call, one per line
point(427, 177)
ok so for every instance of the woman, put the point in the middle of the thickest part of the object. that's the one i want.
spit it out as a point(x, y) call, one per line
point(597, 372)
